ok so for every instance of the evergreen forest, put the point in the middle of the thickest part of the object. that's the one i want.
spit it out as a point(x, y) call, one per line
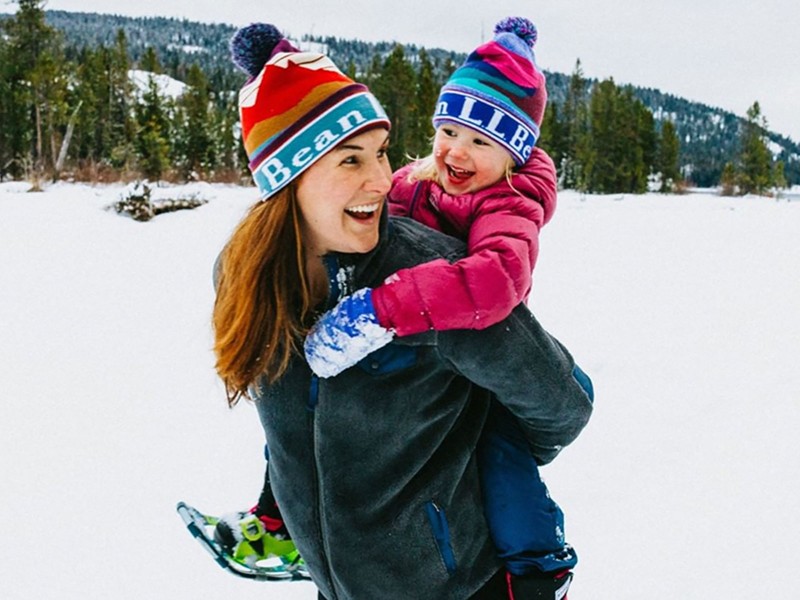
point(70, 108)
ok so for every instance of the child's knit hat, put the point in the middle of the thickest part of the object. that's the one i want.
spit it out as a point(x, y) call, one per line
point(295, 107)
point(499, 91)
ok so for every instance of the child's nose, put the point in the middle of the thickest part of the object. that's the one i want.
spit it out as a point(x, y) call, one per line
point(458, 149)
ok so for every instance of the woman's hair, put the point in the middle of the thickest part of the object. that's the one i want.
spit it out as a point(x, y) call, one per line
point(263, 297)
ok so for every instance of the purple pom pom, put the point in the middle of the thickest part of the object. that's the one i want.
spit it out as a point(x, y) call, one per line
point(252, 46)
point(519, 26)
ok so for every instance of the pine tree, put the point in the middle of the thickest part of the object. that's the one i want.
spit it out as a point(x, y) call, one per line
point(6, 111)
point(553, 138)
point(604, 146)
point(351, 71)
point(121, 127)
point(149, 61)
point(373, 74)
point(395, 88)
point(618, 153)
point(35, 82)
point(427, 92)
point(728, 180)
point(646, 139)
point(575, 127)
point(228, 150)
point(194, 144)
point(668, 157)
point(779, 175)
point(754, 157)
point(92, 142)
point(153, 133)
point(638, 149)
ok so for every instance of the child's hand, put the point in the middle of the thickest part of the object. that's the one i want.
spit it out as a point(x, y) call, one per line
point(345, 334)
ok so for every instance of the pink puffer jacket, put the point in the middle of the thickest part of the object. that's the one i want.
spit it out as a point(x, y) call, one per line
point(501, 227)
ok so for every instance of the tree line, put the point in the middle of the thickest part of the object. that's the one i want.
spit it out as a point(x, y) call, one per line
point(82, 117)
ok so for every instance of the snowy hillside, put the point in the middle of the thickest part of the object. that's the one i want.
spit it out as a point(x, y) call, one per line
point(683, 310)
point(166, 85)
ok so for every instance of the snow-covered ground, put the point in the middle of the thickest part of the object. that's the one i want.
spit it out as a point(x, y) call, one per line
point(683, 309)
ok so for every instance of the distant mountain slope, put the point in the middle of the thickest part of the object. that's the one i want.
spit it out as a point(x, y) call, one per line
point(708, 135)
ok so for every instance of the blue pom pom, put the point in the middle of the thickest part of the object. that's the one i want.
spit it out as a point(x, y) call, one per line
point(519, 26)
point(252, 46)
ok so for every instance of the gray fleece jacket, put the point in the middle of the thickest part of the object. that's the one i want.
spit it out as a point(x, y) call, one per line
point(375, 469)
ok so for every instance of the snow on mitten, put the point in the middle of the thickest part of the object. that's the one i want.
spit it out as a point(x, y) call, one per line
point(345, 334)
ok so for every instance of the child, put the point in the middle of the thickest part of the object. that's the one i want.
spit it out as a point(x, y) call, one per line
point(486, 183)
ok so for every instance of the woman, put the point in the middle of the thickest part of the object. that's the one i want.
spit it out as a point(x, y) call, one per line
point(375, 468)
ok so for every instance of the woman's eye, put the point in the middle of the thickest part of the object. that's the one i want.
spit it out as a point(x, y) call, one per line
point(382, 153)
point(351, 160)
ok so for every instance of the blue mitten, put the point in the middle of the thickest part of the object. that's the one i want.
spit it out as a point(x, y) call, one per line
point(345, 334)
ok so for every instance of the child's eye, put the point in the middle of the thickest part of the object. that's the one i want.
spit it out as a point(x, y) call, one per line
point(448, 132)
point(479, 142)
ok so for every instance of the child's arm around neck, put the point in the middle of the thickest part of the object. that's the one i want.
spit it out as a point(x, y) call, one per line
point(501, 226)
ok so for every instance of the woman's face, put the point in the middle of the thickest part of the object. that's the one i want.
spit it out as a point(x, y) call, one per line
point(467, 161)
point(341, 196)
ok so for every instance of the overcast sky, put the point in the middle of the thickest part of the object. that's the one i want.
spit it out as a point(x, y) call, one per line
point(726, 54)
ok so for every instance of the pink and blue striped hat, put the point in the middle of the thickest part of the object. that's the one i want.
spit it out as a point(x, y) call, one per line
point(499, 91)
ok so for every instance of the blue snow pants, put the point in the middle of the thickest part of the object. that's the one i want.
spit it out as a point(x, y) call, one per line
point(526, 525)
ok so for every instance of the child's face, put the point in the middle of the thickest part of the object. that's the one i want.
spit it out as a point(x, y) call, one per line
point(467, 161)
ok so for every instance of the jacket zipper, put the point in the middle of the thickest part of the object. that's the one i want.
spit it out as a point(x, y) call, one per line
point(441, 533)
point(319, 508)
point(414, 198)
point(332, 267)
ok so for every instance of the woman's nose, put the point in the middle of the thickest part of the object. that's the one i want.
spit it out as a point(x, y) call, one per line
point(380, 178)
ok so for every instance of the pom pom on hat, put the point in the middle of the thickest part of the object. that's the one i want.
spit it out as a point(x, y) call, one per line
point(295, 107)
point(253, 46)
point(499, 91)
point(519, 26)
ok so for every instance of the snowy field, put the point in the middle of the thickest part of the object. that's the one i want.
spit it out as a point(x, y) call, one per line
point(684, 310)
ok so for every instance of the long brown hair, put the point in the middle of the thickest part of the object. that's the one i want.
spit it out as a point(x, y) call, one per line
point(263, 295)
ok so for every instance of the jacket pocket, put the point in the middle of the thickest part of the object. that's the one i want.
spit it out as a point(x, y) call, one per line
point(441, 533)
point(584, 381)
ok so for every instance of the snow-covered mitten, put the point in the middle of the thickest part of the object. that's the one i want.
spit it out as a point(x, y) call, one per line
point(548, 586)
point(345, 334)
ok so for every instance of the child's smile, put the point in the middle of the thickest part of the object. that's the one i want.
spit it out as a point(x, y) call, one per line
point(467, 161)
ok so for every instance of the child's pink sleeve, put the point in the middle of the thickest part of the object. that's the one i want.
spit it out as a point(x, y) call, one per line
point(503, 244)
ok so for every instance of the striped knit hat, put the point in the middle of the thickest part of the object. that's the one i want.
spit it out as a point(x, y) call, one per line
point(499, 91)
point(295, 107)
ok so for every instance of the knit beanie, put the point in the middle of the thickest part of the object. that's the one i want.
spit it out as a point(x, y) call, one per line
point(499, 91)
point(295, 107)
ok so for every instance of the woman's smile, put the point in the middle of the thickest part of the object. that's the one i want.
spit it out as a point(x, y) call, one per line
point(363, 212)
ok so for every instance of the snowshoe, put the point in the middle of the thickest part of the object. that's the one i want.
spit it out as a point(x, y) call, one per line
point(275, 567)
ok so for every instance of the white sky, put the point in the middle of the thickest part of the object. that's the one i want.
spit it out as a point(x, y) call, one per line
point(722, 53)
